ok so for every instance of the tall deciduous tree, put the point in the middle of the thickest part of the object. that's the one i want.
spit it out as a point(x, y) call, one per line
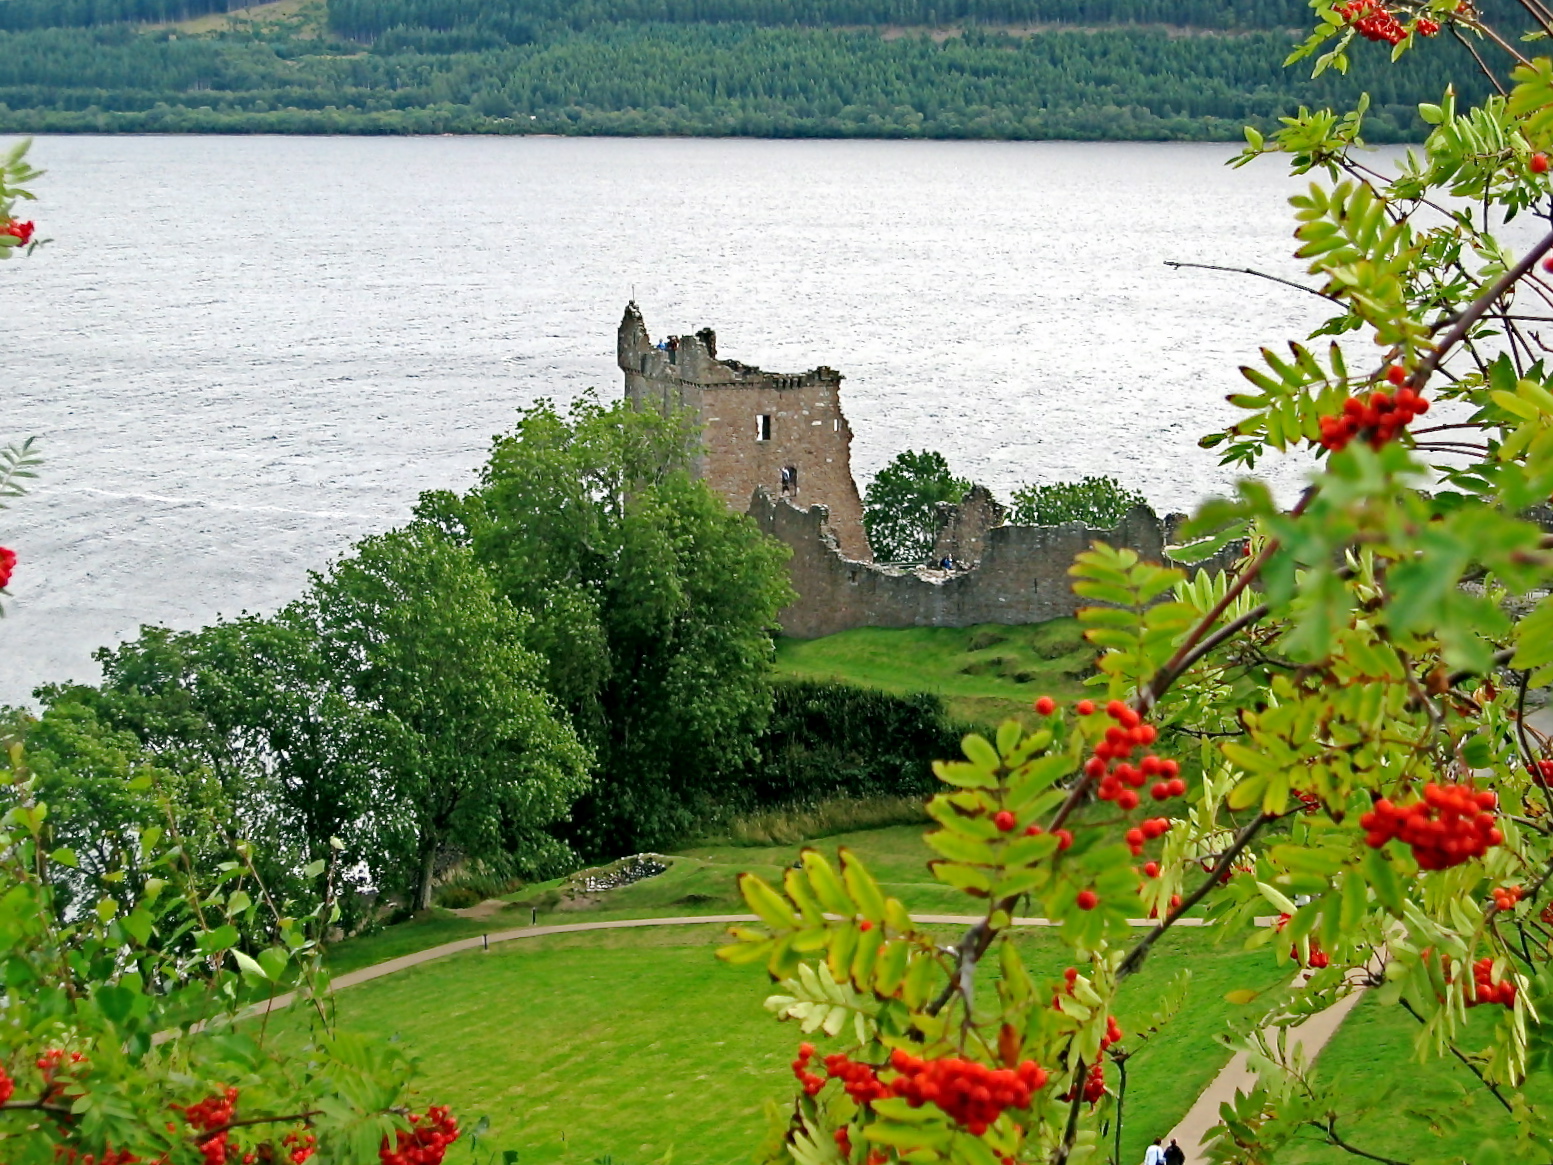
point(476, 759)
point(253, 703)
point(652, 604)
point(900, 505)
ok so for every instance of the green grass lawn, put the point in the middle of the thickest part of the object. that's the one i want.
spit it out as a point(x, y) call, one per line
point(983, 673)
point(701, 880)
point(635, 1044)
point(1429, 1113)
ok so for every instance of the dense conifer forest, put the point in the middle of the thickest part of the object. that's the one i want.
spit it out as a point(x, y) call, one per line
point(1022, 69)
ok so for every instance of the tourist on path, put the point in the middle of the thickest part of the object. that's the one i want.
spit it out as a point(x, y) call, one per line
point(1174, 1154)
point(1154, 1155)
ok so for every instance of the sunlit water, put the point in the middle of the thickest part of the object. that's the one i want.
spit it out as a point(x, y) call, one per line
point(240, 354)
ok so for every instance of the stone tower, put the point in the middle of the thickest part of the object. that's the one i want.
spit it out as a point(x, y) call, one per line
point(784, 432)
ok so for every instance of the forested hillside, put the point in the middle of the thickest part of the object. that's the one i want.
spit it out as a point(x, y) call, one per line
point(1075, 69)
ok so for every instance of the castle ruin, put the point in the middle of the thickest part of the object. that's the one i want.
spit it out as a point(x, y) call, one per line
point(778, 447)
point(784, 432)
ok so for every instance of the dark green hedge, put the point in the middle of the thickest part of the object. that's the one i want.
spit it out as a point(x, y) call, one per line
point(833, 740)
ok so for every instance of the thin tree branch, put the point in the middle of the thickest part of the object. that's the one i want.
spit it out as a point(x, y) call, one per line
point(1259, 274)
point(1330, 1129)
point(1140, 950)
point(1471, 1067)
point(1476, 310)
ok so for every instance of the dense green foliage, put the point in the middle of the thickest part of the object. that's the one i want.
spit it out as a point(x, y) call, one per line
point(900, 504)
point(431, 67)
point(652, 604)
point(1099, 502)
point(473, 755)
point(830, 739)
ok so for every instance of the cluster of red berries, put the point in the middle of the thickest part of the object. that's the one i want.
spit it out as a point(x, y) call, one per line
point(1542, 771)
point(49, 1064)
point(7, 1086)
point(860, 1081)
point(1377, 420)
point(426, 1142)
point(970, 1093)
point(1451, 825)
point(67, 1156)
point(1485, 990)
point(973, 1094)
point(1152, 828)
point(1318, 957)
point(1505, 897)
point(1119, 784)
point(299, 1146)
point(1094, 1084)
point(1373, 22)
point(212, 1116)
point(1309, 802)
point(812, 1082)
point(7, 565)
point(20, 231)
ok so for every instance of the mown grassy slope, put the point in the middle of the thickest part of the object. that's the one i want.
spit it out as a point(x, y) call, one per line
point(983, 673)
point(635, 1045)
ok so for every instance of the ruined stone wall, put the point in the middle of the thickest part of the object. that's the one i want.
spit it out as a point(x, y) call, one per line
point(755, 424)
point(963, 527)
point(1022, 577)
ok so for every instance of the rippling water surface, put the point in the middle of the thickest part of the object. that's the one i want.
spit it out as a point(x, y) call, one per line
point(239, 354)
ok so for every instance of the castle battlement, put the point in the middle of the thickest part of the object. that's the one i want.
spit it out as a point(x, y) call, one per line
point(784, 432)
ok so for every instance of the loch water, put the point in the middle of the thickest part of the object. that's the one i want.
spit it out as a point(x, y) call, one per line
point(241, 353)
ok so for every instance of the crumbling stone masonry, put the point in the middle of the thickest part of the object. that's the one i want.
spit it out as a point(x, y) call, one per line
point(781, 445)
point(1021, 577)
point(784, 433)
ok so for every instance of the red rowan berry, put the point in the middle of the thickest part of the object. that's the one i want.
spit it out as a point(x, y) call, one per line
point(1151, 869)
point(1539, 163)
point(1004, 820)
point(1046, 705)
point(1397, 375)
point(1085, 707)
point(1064, 839)
point(1087, 900)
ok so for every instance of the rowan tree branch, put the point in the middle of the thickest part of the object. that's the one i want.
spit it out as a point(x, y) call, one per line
point(1140, 950)
point(1476, 310)
point(1330, 1129)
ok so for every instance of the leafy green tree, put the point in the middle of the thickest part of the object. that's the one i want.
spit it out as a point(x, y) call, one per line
point(252, 703)
point(651, 603)
point(476, 761)
point(900, 505)
point(1098, 502)
point(105, 792)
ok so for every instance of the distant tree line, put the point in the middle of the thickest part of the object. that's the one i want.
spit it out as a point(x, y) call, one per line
point(367, 19)
point(525, 20)
point(722, 79)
